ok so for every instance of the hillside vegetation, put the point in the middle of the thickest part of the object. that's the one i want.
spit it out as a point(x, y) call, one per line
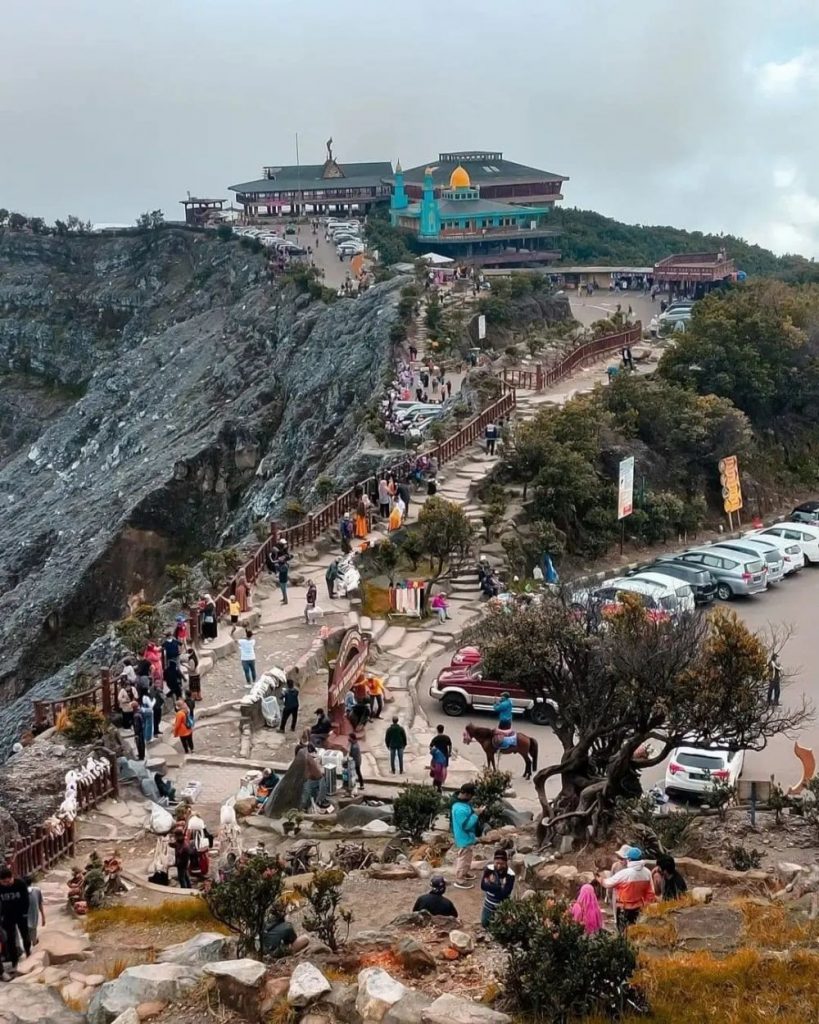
point(591, 238)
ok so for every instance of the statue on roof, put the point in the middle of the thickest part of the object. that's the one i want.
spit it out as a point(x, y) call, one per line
point(330, 149)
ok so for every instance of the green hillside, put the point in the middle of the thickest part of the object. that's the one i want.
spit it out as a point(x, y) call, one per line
point(591, 238)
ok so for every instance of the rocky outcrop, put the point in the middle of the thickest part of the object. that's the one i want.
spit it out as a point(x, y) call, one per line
point(203, 394)
point(35, 1004)
point(167, 983)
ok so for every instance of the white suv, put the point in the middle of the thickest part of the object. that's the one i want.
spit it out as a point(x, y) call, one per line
point(695, 769)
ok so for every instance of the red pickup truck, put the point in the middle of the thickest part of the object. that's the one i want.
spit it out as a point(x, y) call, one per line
point(462, 688)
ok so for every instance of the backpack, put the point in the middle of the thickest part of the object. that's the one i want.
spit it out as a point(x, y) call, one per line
point(189, 720)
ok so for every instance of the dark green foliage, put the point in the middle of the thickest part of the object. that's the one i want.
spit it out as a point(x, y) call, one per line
point(445, 534)
point(224, 232)
point(490, 786)
point(182, 580)
point(415, 808)
point(326, 917)
point(307, 281)
point(393, 244)
point(554, 972)
point(743, 859)
point(85, 725)
point(248, 899)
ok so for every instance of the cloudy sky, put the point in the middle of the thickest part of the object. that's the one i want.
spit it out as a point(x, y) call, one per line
point(702, 114)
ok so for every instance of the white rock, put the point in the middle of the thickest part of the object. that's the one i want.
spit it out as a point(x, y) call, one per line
point(307, 984)
point(702, 893)
point(377, 992)
point(206, 947)
point(146, 983)
point(461, 941)
point(130, 1016)
point(449, 1009)
point(244, 972)
point(35, 1004)
point(378, 827)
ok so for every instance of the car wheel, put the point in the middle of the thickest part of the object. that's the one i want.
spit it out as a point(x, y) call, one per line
point(538, 714)
point(724, 592)
point(453, 706)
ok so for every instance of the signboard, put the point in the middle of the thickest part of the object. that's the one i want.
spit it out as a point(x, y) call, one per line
point(729, 478)
point(481, 327)
point(625, 488)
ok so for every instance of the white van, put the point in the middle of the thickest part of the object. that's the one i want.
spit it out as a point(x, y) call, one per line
point(656, 596)
point(684, 593)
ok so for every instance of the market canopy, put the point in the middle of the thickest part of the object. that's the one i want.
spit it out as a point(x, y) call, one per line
point(436, 259)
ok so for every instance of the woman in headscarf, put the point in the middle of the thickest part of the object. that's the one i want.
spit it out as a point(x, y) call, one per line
point(586, 910)
point(362, 519)
point(210, 630)
point(153, 655)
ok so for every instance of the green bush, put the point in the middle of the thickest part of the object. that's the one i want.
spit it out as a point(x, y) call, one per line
point(415, 808)
point(132, 632)
point(182, 581)
point(490, 786)
point(85, 725)
point(148, 614)
point(326, 916)
point(556, 973)
point(248, 899)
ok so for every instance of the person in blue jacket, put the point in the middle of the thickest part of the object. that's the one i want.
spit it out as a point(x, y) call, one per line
point(503, 709)
point(464, 819)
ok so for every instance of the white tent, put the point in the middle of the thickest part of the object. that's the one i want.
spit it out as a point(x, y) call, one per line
point(435, 259)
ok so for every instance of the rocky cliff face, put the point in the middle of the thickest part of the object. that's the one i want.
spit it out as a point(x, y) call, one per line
point(174, 395)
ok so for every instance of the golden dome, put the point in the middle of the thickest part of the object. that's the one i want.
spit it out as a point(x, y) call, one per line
point(459, 178)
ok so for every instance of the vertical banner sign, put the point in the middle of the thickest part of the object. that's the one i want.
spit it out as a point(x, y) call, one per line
point(731, 489)
point(482, 327)
point(625, 488)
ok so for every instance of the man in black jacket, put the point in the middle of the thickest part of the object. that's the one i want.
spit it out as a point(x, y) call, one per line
point(14, 914)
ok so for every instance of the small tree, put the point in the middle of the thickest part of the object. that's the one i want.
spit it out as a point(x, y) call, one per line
point(387, 556)
point(148, 614)
point(182, 582)
point(556, 973)
point(326, 916)
point(248, 899)
point(719, 796)
point(224, 232)
point(84, 725)
point(132, 632)
point(17, 221)
point(325, 488)
point(490, 786)
point(415, 808)
point(445, 534)
point(411, 546)
point(294, 511)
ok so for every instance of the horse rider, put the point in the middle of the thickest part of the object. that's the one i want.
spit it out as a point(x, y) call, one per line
point(503, 709)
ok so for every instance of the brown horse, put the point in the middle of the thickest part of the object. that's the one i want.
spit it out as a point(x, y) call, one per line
point(526, 746)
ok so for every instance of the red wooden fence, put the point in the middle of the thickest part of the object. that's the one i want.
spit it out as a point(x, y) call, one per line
point(539, 377)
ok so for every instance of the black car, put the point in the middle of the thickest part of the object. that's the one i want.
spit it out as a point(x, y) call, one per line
point(700, 580)
point(807, 512)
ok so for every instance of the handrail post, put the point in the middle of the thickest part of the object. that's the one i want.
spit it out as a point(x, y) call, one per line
point(105, 684)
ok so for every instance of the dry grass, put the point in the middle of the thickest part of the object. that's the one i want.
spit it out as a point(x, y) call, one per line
point(768, 926)
point(661, 933)
point(335, 974)
point(178, 911)
point(282, 1013)
point(747, 987)
point(665, 907)
point(375, 601)
point(113, 970)
point(78, 1005)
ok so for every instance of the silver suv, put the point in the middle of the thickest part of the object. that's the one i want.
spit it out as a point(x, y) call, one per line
point(735, 572)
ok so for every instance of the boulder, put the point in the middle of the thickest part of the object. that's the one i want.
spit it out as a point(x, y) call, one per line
point(168, 983)
point(377, 828)
point(358, 815)
point(461, 941)
point(393, 872)
point(87, 979)
point(129, 1016)
point(203, 948)
point(563, 879)
point(408, 1009)
point(77, 993)
point(372, 938)
point(377, 993)
point(307, 984)
point(62, 947)
point(239, 983)
point(449, 1009)
point(54, 975)
point(716, 928)
point(145, 1011)
point(31, 963)
point(413, 956)
point(702, 893)
point(341, 1000)
point(787, 872)
point(35, 1004)
point(245, 807)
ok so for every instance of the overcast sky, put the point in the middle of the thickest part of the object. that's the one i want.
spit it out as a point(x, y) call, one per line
point(702, 114)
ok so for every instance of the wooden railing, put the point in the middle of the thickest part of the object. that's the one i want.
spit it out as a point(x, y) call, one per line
point(43, 848)
point(103, 695)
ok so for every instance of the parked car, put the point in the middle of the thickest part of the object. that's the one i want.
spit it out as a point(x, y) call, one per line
point(695, 769)
point(736, 573)
point(807, 512)
point(463, 688)
point(774, 562)
point(682, 590)
point(661, 603)
point(791, 549)
point(701, 581)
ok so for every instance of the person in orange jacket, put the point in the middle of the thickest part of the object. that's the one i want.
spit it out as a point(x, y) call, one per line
point(183, 725)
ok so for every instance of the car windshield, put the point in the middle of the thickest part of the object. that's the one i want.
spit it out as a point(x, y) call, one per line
point(690, 759)
point(669, 603)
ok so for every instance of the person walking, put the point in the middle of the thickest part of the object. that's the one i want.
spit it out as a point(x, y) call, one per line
point(375, 691)
point(158, 698)
point(283, 574)
point(36, 909)
point(586, 910)
point(383, 498)
point(491, 435)
point(210, 627)
point(396, 741)
point(497, 883)
point(290, 706)
point(138, 725)
point(14, 907)
point(440, 749)
point(183, 726)
point(331, 576)
point(633, 886)
point(355, 757)
point(774, 680)
point(182, 859)
point(234, 609)
point(310, 601)
point(464, 821)
point(247, 655)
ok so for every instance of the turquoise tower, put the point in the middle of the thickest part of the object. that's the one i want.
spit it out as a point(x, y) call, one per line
point(430, 225)
point(398, 200)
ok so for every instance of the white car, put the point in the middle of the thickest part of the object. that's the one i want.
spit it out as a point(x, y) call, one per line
point(695, 769)
point(656, 577)
point(806, 535)
point(791, 550)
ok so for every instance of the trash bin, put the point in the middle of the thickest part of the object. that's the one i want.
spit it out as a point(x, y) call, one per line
point(330, 780)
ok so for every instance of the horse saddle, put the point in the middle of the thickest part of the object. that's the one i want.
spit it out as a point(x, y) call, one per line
point(504, 739)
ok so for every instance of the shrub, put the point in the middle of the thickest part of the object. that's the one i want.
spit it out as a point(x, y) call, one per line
point(415, 809)
point(182, 581)
point(148, 614)
point(84, 725)
point(743, 859)
point(246, 900)
point(720, 795)
point(132, 633)
point(554, 972)
point(261, 530)
point(294, 511)
point(326, 915)
point(325, 488)
point(490, 786)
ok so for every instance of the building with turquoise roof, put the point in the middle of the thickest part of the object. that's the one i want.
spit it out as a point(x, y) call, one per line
point(457, 222)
